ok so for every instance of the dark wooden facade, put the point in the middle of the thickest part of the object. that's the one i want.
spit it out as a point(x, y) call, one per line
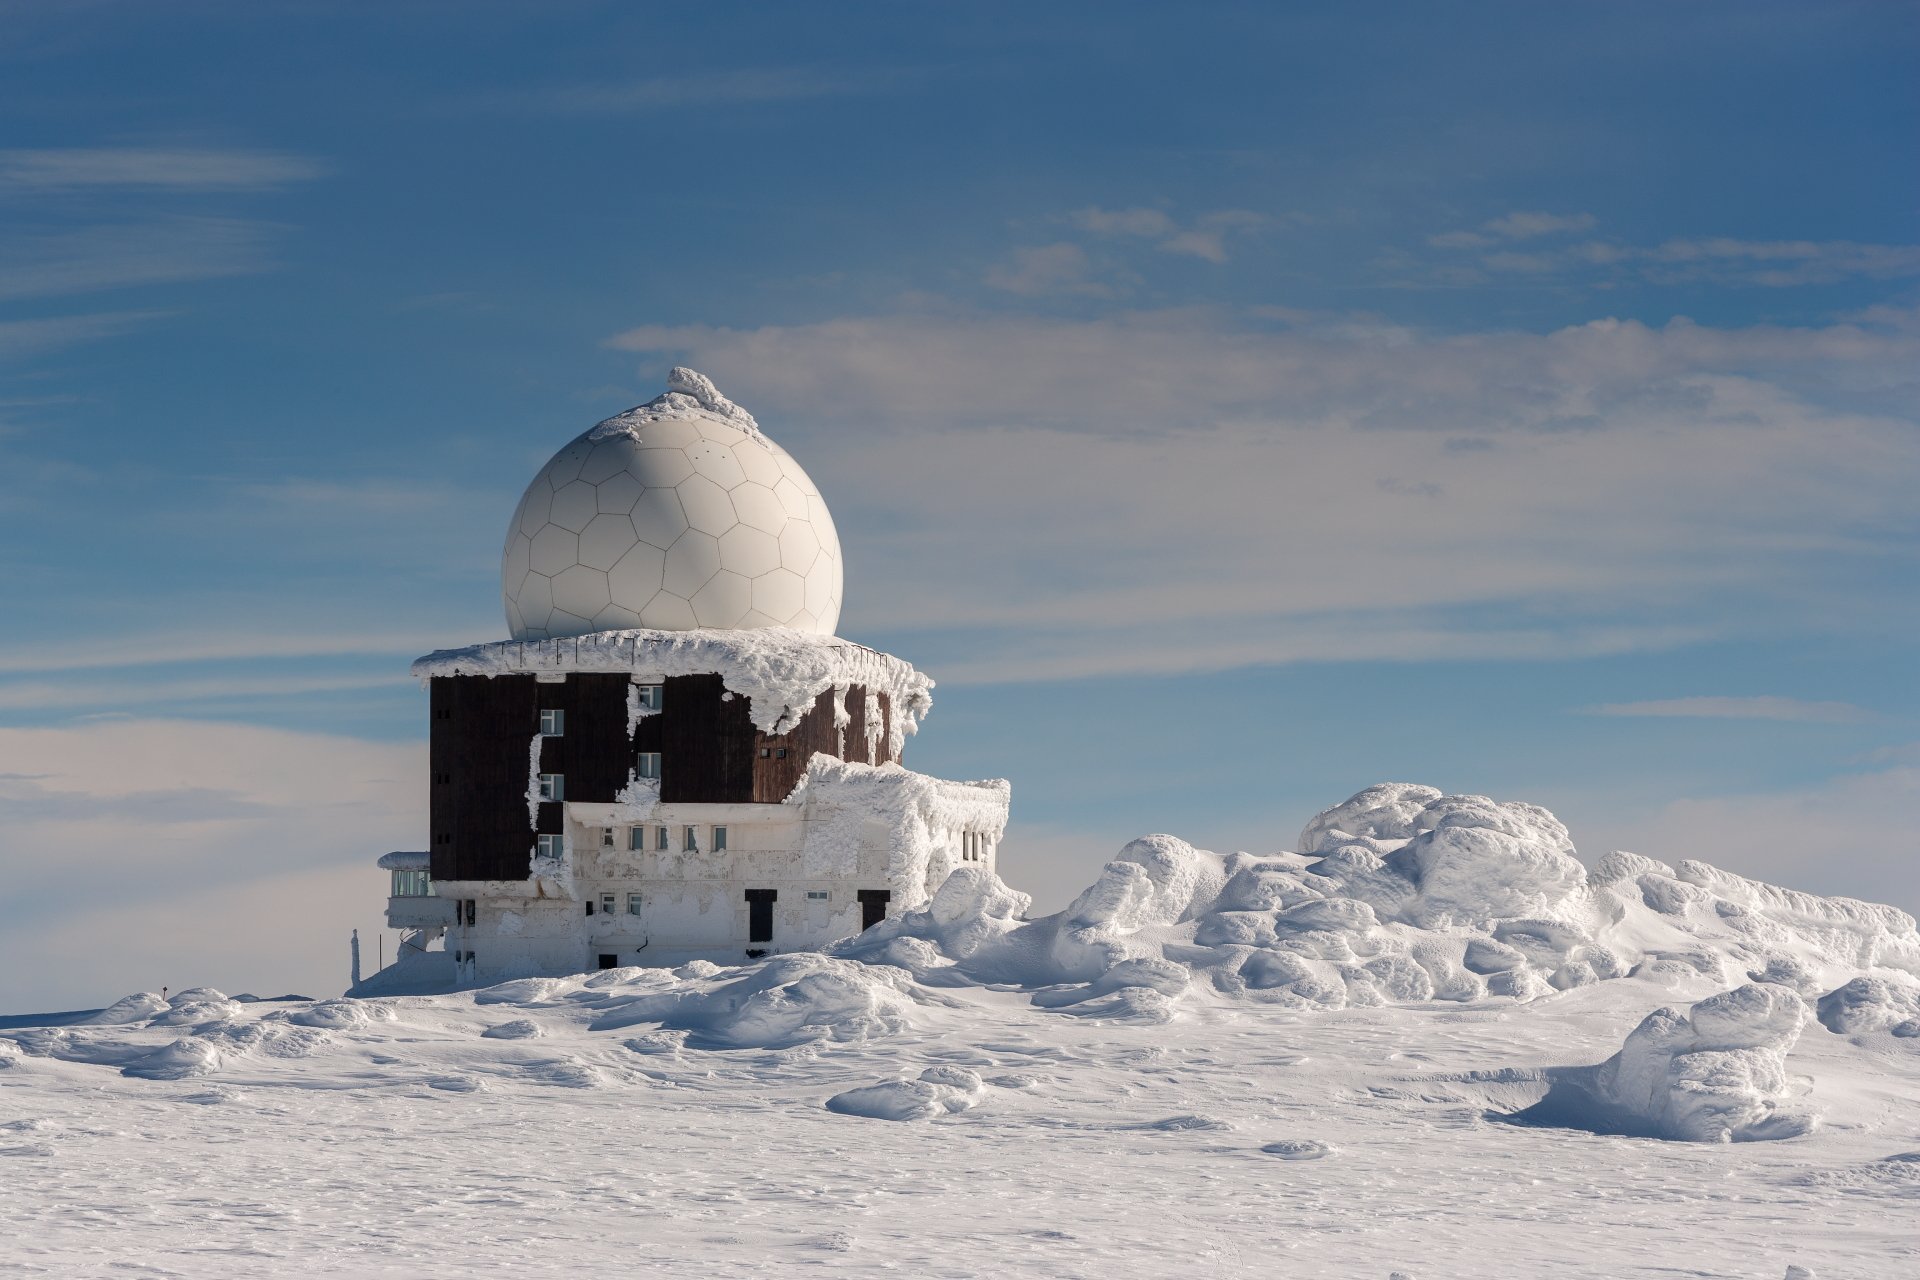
point(483, 729)
point(478, 755)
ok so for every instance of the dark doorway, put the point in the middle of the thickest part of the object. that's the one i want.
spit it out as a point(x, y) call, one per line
point(760, 914)
point(873, 906)
point(609, 961)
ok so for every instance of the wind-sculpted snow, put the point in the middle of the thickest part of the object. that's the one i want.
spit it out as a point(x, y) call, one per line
point(1714, 1074)
point(937, 1091)
point(788, 1001)
point(1404, 895)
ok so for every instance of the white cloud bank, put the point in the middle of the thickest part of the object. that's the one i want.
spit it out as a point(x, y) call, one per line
point(148, 852)
point(1185, 490)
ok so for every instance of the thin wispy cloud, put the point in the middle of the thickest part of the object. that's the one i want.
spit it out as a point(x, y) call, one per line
point(153, 168)
point(1042, 270)
point(1525, 225)
point(1723, 260)
point(1794, 710)
point(223, 691)
point(1519, 225)
point(740, 87)
point(1775, 263)
point(23, 338)
point(128, 255)
point(132, 649)
point(1205, 236)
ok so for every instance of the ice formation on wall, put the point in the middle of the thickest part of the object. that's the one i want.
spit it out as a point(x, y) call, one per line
point(781, 672)
point(911, 814)
point(674, 515)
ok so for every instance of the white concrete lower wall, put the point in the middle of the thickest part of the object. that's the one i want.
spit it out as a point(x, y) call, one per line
point(892, 830)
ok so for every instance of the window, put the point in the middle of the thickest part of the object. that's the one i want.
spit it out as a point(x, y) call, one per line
point(690, 839)
point(780, 753)
point(412, 884)
point(636, 837)
point(662, 841)
point(649, 696)
point(589, 906)
point(719, 839)
point(765, 752)
point(553, 722)
point(633, 904)
point(818, 895)
point(549, 846)
point(647, 765)
point(553, 786)
point(606, 838)
point(606, 904)
point(609, 961)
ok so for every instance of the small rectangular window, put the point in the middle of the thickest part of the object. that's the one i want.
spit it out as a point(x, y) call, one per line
point(606, 838)
point(633, 904)
point(649, 695)
point(780, 753)
point(606, 904)
point(818, 895)
point(636, 837)
point(765, 752)
point(646, 765)
point(553, 786)
point(412, 884)
point(553, 722)
point(662, 841)
point(549, 846)
point(690, 839)
point(719, 839)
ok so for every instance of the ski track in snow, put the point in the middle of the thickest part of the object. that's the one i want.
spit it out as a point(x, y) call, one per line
point(893, 1109)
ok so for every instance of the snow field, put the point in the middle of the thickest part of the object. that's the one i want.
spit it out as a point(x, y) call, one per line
point(1320, 1063)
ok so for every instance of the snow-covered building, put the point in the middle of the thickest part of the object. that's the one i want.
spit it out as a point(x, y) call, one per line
point(673, 757)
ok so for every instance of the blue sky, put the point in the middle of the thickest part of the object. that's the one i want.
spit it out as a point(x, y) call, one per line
point(1231, 405)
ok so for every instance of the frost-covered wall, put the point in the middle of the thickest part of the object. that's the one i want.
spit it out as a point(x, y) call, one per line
point(845, 829)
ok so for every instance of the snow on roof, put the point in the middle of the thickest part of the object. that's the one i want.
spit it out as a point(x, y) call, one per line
point(779, 671)
point(406, 860)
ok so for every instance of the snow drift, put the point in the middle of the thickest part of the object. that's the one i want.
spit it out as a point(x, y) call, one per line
point(1403, 895)
point(1399, 896)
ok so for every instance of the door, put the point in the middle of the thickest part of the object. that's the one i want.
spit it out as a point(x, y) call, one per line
point(760, 914)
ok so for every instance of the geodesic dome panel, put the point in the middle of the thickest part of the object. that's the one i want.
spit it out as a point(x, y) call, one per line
point(675, 515)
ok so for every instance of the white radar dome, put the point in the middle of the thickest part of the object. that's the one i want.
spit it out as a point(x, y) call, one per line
point(675, 515)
